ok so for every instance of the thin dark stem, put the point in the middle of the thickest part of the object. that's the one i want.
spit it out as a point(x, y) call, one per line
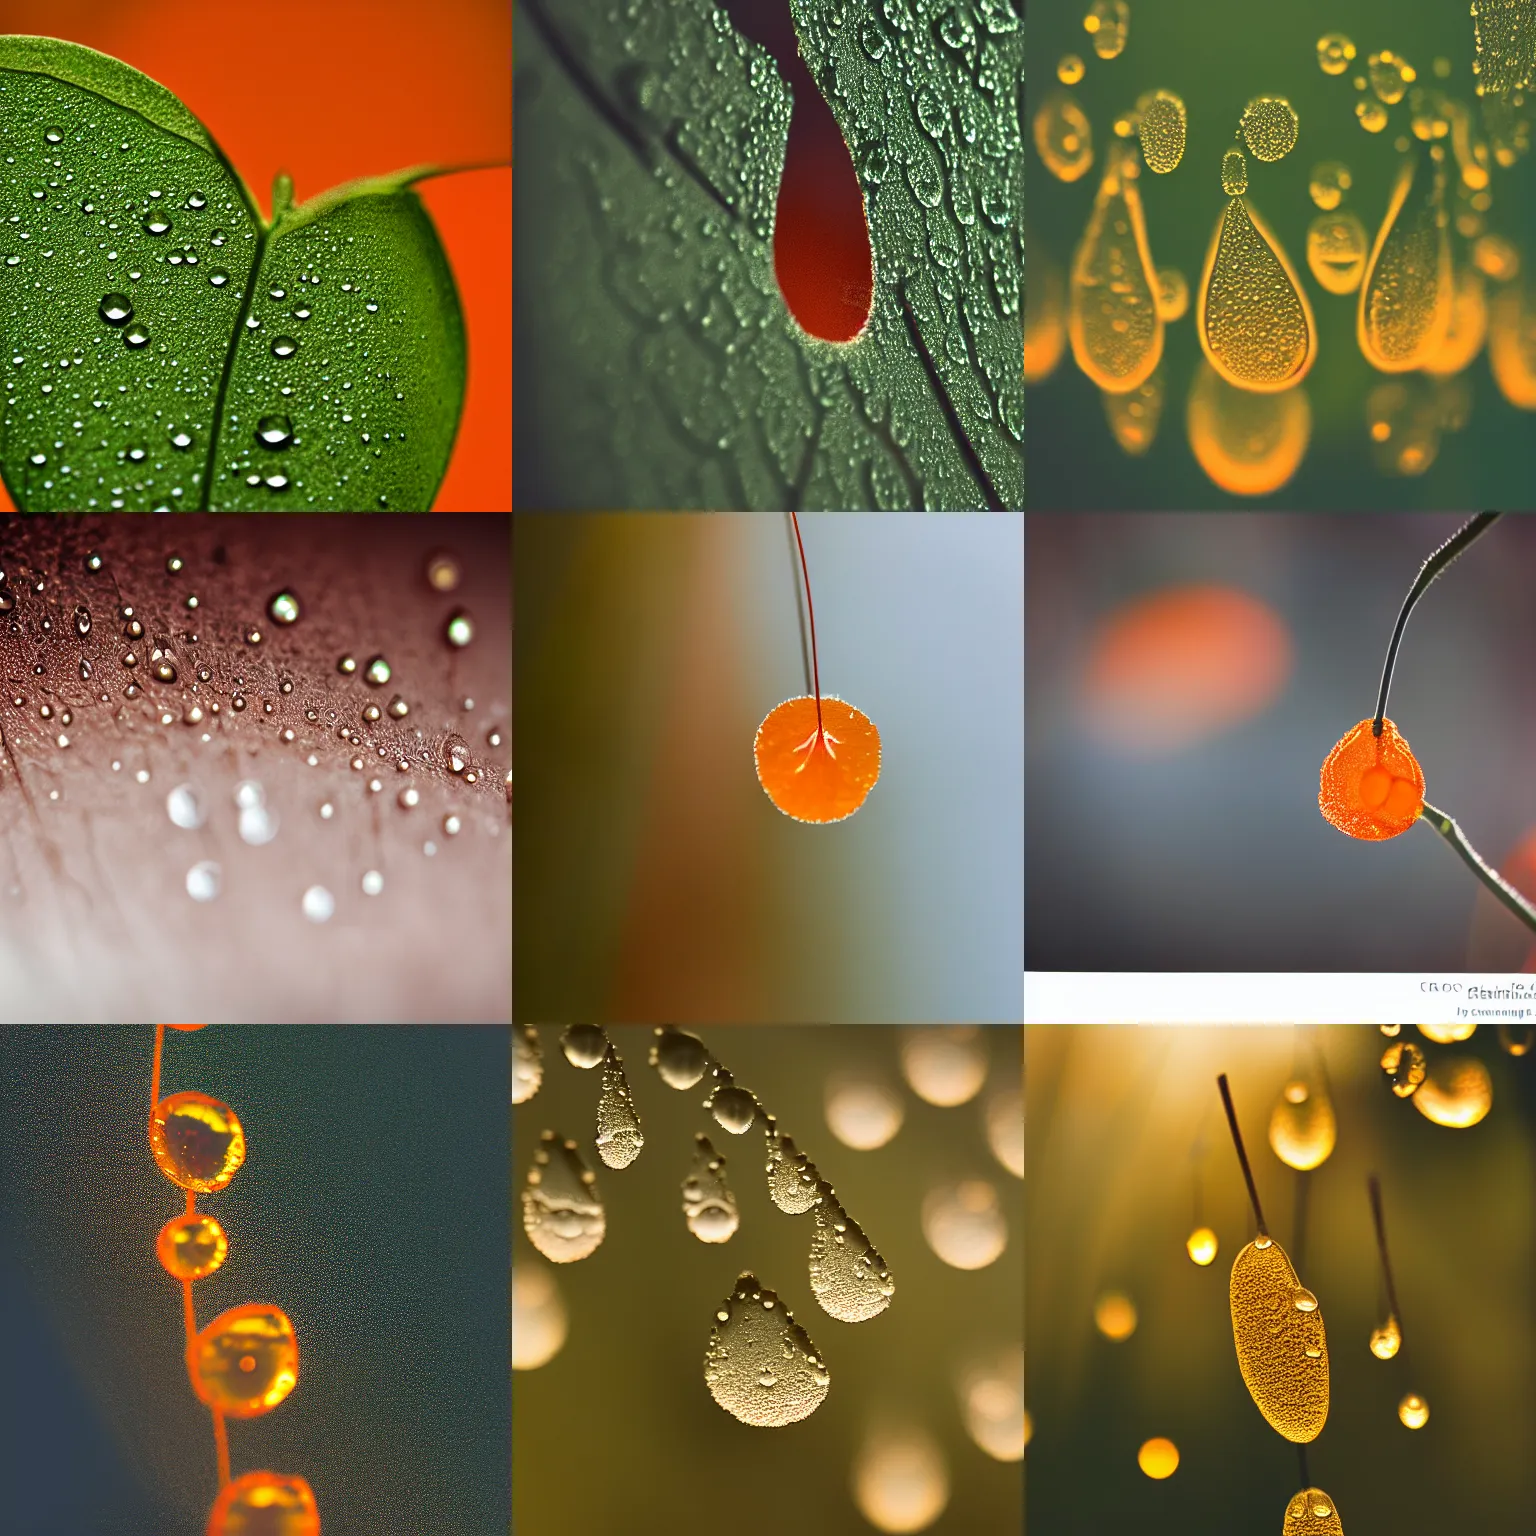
point(1301, 1457)
point(1501, 888)
point(794, 517)
point(1242, 1156)
point(1432, 567)
point(1373, 1188)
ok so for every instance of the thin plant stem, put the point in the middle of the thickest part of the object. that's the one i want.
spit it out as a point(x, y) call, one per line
point(1242, 1156)
point(1373, 1188)
point(1301, 1457)
point(1501, 888)
point(154, 1073)
point(1472, 529)
point(794, 518)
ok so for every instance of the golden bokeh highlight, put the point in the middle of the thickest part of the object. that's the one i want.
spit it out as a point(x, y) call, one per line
point(1247, 443)
point(1158, 1458)
point(1456, 1093)
point(1114, 1315)
point(901, 1479)
point(1302, 1125)
point(1201, 1246)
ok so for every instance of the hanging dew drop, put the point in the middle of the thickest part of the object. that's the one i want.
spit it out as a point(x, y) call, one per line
point(156, 224)
point(619, 1138)
point(181, 440)
point(217, 277)
point(584, 1045)
point(136, 335)
point(735, 1109)
point(709, 1207)
point(562, 1211)
point(274, 431)
point(115, 308)
point(678, 1057)
point(284, 346)
point(760, 1365)
point(848, 1276)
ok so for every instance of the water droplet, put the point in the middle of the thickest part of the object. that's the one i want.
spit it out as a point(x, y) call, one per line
point(452, 825)
point(1302, 1127)
point(1273, 1331)
point(93, 562)
point(284, 608)
point(277, 293)
point(1330, 181)
point(373, 883)
point(258, 821)
point(734, 1108)
point(276, 482)
point(1413, 1411)
point(584, 1045)
point(1254, 321)
point(205, 877)
point(1386, 1340)
point(156, 224)
point(1116, 332)
point(173, 563)
point(318, 904)
point(709, 1207)
point(181, 439)
point(1269, 127)
point(679, 1058)
point(398, 708)
point(1390, 76)
point(1408, 291)
point(562, 1211)
point(442, 572)
point(756, 1342)
point(217, 237)
point(38, 459)
point(163, 669)
point(301, 313)
point(284, 346)
point(848, 1276)
point(377, 672)
point(1201, 1246)
point(1335, 53)
point(1404, 1066)
point(217, 277)
point(1234, 173)
point(53, 136)
point(246, 1361)
point(135, 336)
point(115, 308)
point(460, 629)
point(1161, 125)
point(1457, 1092)
point(407, 798)
point(1372, 115)
point(619, 1138)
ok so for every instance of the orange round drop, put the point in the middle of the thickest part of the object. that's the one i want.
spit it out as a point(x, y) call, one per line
point(265, 1504)
point(1371, 786)
point(186, 1026)
point(191, 1247)
point(246, 1361)
point(817, 777)
point(196, 1141)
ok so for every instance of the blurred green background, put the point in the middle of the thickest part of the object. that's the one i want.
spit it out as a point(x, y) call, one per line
point(1113, 1117)
point(618, 1431)
point(370, 1207)
point(1217, 56)
point(654, 878)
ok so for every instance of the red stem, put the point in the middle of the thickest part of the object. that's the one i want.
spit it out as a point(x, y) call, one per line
point(810, 608)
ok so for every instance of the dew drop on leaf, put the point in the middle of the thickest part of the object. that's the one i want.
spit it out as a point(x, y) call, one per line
point(619, 1138)
point(1275, 1338)
point(848, 1277)
point(276, 482)
point(274, 431)
point(709, 1207)
point(217, 277)
point(678, 1057)
point(1302, 1127)
point(284, 346)
point(377, 672)
point(562, 1212)
point(760, 1365)
point(181, 440)
point(116, 308)
point(53, 136)
point(584, 1045)
point(217, 238)
point(156, 224)
point(136, 335)
point(527, 1063)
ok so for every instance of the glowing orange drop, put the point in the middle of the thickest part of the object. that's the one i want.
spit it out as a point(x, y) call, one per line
point(817, 774)
point(1371, 786)
point(246, 1361)
point(196, 1141)
point(265, 1504)
point(191, 1246)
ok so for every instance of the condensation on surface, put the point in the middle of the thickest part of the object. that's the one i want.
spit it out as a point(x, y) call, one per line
point(527, 1063)
point(1407, 293)
point(562, 1211)
point(760, 1365)
point(709, 1207)
point(619, 1137)
point(1282, 1347)
point(1162, 124)
point(848, 1276)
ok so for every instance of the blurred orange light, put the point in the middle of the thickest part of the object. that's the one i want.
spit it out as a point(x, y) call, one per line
point(1158, 1458)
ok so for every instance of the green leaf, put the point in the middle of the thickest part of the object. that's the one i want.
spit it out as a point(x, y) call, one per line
point(657, 363)
point(165, 348)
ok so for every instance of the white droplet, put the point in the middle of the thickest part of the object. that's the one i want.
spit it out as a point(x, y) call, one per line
point(944, 1064)
point(185, 807)
point(203, 881)
point(373, 882)
point(258, 825)
point(963, 1224)
point(318, 904)
point(562, 1211)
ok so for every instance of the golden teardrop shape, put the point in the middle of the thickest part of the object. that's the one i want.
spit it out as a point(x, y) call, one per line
point(1113, 320)
point(1407, 293)
point(246, 1361)
point(1249, 444)
point(1273, 1336)
point(1254, 321)
point(1312, 1513)
point(1302, 1127)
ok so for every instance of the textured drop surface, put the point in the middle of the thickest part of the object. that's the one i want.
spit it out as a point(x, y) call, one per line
point(265, 1504)
point(1312, 1513)
point(848, 1277)
point(1371, 787)
point(760, 1365)
point(1302, 1126)
point(1274, 1335)
point(527, 1063)
point(619, 1138)
point(562, 1212)
point(196, 1141)
point(792, 1177)
point(709, 1207)
point(1255, 322)
point(246, 1361)
point(1408, 290)
point(1270, 127)
point(190, 1247)
point(1162, 128)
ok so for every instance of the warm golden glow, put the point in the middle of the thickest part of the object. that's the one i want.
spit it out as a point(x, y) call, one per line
point(992, 1403)
point(862, 1113)
point(1201, 1246)
point(538, 1317)
point(196, 1141)
point(1158, 1458)
point(1386, 1340)
point(963, 1224)
point(1005, 1129)
point(900, 1480)
point(944, 1065)
point(1457, 1092)
point(1447, 1034)
point(1249, 444)
point(1404, 1067)
point(191, 1247)
point(1413, 1411)
point(1282, 1347)
point(265, 1504)
point(1302, 1127)
point(246, 1361)
point(1114, 1315)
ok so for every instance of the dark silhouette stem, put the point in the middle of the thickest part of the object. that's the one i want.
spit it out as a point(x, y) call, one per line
point(1501, 888)
point(1373, 1188)
point(1301, 1457)
point(1242, 1156)
point(1432, 567)
point(810, 607)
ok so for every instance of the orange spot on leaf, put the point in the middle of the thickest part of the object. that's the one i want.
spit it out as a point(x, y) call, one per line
point(1371, 786)
point(811, 776)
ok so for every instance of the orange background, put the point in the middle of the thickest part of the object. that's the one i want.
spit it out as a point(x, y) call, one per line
point(330, 90)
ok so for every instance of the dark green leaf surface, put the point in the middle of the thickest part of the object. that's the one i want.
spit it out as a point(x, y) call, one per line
point(148, 365)
point(658, 365)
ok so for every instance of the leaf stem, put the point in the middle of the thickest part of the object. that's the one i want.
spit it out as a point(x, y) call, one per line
point(1242, 1156)
point(794, 518)
point(1474, 528)
point(1501, 888)
point(1301, 1456)
point(1373, 1188)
